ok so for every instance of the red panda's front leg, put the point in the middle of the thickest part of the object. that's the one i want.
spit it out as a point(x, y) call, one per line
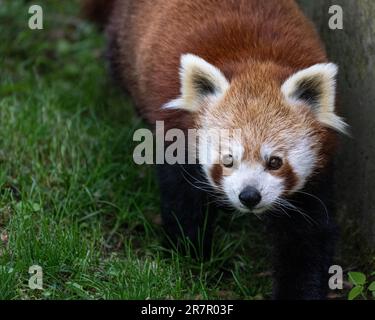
point(303, 247)
point(301, 264)
point(187, 216)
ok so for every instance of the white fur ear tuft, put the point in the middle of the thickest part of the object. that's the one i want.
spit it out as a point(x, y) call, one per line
point(334, 122)
point(200, 82)
point(316, 87)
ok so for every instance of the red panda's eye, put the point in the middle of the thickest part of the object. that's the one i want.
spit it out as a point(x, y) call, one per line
point(228, 161)
point(274, 163)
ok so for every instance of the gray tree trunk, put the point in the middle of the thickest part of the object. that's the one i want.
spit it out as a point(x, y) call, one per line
point(353, 49)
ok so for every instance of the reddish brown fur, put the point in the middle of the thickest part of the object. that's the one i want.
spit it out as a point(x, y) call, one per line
point(289, 176)
point(268, 118)
point(217, 173)
point(257, 44)
point(230, 34)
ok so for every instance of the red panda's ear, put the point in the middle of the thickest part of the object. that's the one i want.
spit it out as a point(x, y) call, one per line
point(316, 87)
point(201, 82)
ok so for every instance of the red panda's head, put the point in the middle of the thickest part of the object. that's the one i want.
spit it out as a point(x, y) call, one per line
point(284, 121)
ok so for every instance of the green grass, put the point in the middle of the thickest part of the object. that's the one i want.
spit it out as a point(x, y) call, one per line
point(71, 198)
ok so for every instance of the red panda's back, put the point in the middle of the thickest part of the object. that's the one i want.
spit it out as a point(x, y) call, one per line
point(148, 38)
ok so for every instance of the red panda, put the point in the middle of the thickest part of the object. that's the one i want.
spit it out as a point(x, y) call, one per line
point(254, 65)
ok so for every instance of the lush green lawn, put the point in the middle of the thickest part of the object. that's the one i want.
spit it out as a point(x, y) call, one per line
point(71, 199)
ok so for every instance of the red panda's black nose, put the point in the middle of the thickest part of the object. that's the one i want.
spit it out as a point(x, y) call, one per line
point(250, 197)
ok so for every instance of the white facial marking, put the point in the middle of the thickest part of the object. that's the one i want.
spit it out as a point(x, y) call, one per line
point(269, 186)
point(300, 156)
point(267, 151)
point(302, 159)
